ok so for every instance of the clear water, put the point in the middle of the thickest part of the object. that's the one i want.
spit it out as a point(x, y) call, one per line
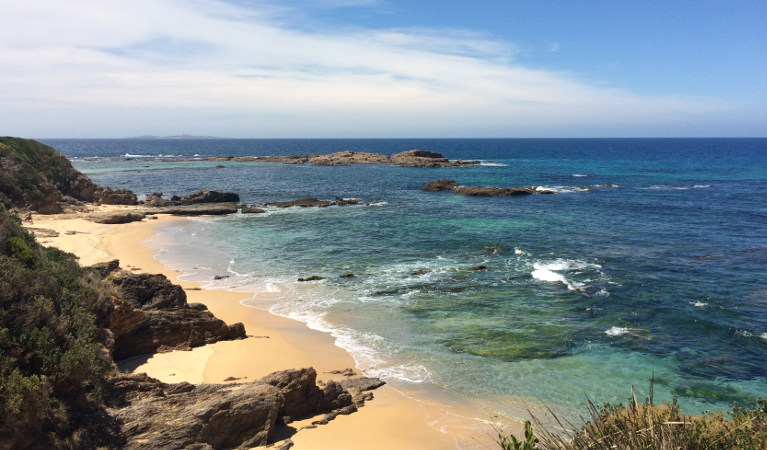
point(585, 292)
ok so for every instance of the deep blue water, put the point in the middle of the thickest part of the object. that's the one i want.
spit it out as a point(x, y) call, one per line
point(586, 291)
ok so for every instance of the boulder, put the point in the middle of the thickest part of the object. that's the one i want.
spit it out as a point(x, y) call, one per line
point(49, 204)
point(252, 210)
point(312, 278)
point(299, 389)
point(152, 414)
point(440, 185)
point(151, 314)
point(149, 291)
point(207, 196)
point(117, 217)
point(107, 196)
point(155, 199)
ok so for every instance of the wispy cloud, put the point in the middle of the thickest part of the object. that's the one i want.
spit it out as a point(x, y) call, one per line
point(144, 64)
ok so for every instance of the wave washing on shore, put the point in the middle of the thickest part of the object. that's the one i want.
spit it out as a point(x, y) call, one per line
point(497, 302)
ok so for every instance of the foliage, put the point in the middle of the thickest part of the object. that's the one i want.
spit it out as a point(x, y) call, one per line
point(649, 426)
point(509, 442)
point(30, 170)
point(52, 363)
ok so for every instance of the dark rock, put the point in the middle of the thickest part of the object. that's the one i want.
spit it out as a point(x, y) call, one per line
point(252, 210)
point(105, 268)
point(481, 267)
point(425, 159)
point(117, 217)
point(493, 192)
point(49, 204)
point(155, 199)
point(152, 315)
point(214, 209)
point(206, 196)
point(219, 166)
point(299, 388)
point(149, 291)
point(440, 185)
point(312, 278)
point(220, 277)
point(347, 275)
point(107, 196)
point(420, 272)
point(313, 202)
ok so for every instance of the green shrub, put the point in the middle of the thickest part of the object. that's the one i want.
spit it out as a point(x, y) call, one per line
point(649, 426)
point(52, 365)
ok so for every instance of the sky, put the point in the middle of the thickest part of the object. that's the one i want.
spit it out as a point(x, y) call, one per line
point(383, 68)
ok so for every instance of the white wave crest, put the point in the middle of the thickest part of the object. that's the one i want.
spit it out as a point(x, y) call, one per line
point(617, 331)
point(579, 175)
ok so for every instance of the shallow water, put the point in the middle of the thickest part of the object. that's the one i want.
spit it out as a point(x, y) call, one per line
point(583, 292)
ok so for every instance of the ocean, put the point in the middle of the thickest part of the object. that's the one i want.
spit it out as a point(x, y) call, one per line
point(649, 262)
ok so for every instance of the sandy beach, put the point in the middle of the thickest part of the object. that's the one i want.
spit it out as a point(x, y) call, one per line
point(393, 419)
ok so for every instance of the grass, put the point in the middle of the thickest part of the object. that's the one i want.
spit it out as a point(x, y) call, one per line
point(649, 426)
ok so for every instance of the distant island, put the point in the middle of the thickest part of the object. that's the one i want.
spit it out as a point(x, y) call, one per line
point(178, 136)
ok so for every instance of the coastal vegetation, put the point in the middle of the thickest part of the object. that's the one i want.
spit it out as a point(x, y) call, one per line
point(650, 426)
point(52, 359)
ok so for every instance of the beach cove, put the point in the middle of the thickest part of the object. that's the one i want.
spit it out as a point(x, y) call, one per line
point(642, 261)
point(392, 418)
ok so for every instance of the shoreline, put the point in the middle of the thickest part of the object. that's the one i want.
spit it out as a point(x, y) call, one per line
point(394, 418)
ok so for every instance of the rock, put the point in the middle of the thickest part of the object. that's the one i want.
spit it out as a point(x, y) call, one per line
point(313, 202)
point(420, 272)
point(440, 185)
point(220, 277)
point(44, 232)
point(219, 166)
point(289, 159)
point(251, 210)
point(117, 217)
point(206, 196)
point(155, 199)
point(102, 270)
point(347, 275)
point(49, 204)
point(152, 414)
point(149, 291)
point(212, 209)
point(152, 315)
point(107, 196)
point(481, 267)
point(312, 278)
point(299, 388)
point(425, 159)
point(346, 158)
point(493, 192)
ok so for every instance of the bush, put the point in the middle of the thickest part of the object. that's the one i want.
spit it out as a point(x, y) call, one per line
point(51, 361)
point(656, 426)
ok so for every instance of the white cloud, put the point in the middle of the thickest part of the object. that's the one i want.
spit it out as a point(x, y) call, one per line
point(224, 69)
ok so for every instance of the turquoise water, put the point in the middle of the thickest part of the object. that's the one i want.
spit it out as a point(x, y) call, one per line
point(584, 292)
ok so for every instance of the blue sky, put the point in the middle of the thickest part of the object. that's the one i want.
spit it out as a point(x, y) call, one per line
point(383, 68)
